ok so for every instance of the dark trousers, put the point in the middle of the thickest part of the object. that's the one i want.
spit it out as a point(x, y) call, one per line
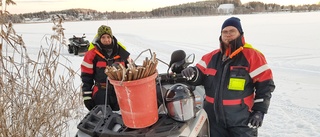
point(236, 121)
point(100, 95)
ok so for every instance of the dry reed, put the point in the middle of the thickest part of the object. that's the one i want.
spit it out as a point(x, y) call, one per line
point(37, 96)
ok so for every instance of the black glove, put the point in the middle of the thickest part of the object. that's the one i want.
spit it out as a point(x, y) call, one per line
point(255, 119)
point(87, 100)
point(89, 104)
point(188, 73)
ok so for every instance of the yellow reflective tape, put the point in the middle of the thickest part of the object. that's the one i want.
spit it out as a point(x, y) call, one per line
point(91, 46)
point(86, 98)
point(246, 45)
point(236, 84)
point(250, 46)
point(122, 45)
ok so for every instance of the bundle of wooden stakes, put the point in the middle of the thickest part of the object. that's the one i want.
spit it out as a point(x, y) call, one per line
point(133, 72)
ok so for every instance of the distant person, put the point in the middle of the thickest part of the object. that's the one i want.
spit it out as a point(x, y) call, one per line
point(238, 84)
point(105, 52)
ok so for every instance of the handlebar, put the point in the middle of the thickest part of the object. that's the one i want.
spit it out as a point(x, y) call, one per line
point(171, 78)
point(168, 79)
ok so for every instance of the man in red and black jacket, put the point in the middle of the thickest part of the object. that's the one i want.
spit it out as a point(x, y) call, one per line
point(238, 84)
point(106, 52)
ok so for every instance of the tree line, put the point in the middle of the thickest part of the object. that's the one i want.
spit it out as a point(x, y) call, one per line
point(202, 8)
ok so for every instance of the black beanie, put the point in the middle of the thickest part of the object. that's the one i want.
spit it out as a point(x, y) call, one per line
point(233, 21)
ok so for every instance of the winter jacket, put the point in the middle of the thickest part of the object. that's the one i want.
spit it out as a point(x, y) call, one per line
point(242, 77)
point(95, 62)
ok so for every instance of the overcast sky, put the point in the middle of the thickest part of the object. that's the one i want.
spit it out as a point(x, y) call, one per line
point(27, 6)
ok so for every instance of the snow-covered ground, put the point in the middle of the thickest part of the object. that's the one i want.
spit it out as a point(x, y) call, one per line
point(288, 40)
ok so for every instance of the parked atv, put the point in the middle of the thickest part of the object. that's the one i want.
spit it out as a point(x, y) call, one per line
point(78, 45)
point(180, 113)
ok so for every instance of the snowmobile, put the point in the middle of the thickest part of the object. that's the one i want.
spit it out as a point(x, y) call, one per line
point(78, 45)
point(179, 108)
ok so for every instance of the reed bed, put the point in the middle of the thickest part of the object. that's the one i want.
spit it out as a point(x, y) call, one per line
point(38, 97)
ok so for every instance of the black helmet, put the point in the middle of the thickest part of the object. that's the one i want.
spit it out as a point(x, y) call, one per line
point(180, 102)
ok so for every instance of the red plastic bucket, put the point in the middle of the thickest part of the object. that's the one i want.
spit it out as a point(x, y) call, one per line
point(137, 101)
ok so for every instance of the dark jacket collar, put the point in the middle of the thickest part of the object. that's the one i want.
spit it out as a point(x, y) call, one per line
point(115, 47)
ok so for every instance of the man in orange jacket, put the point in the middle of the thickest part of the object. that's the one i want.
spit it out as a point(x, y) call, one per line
point(238, 84)
point(106, 52)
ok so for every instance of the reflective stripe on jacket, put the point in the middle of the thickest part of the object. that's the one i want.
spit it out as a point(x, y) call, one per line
point(247, 100)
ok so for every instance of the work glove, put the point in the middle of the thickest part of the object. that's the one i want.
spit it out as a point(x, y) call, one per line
point(116, 64)
point(87, 99)
point(188, 73)
point(255, 119)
